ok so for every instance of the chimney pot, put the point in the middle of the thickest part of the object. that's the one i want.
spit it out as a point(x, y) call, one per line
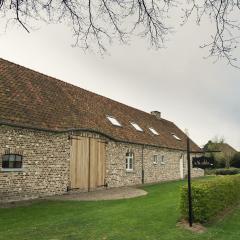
point(157, 114)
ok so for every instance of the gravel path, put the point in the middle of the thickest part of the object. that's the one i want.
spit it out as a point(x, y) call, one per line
point(106, 194)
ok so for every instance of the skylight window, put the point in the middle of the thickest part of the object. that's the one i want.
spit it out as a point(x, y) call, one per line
point(176, 137)
point(153, 131)
point(114, 121)
point(136, 126)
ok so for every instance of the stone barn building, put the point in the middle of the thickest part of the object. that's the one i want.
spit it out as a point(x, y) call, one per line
point(56, 137)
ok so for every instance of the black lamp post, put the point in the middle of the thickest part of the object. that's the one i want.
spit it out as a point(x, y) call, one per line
point(190, 212)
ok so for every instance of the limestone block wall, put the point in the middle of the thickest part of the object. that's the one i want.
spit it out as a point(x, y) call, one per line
point(45, 168)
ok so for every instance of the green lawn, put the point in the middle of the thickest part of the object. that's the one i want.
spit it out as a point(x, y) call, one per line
point(150, 217)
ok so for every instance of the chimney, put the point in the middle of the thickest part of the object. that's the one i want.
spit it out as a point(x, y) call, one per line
point(156, 114)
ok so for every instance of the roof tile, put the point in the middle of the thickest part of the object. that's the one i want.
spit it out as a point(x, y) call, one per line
point(31, 99)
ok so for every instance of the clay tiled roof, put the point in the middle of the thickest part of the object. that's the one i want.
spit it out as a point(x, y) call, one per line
point(30, 99)
point(224, 148)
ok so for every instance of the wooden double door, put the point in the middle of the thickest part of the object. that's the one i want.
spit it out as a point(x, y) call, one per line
point(87, 164)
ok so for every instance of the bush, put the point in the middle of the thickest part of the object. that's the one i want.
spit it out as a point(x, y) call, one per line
point(221, 163)
point(210, 197)
point(227, 171)
point(208, 171)
point(235, 162)
point(222, 171)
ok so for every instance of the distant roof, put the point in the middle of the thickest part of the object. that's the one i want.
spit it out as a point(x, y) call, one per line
point(32, 100)
point(225, 148)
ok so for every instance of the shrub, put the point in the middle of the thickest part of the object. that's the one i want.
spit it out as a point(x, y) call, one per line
point(235, 162)
point(208, 171)
point(222, 171)
point(210, 197)
point(227, 171)
point(220, 163)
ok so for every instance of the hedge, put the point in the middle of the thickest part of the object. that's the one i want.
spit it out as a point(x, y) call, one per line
point(235, 161)
point(211, 197)
point(222, 171)
point(227, 171)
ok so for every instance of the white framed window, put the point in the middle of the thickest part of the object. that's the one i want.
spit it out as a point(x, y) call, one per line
point(155, 159)
point(176, 137)
point(162, 159)
point(153, 131)
point(129, 161)
point(158, 159)
point(136, 126)
point(114, 121)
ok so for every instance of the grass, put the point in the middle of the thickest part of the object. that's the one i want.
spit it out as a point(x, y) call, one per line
point(149, 217)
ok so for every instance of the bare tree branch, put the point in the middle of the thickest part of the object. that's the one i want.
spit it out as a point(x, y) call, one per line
point(17, 16)
point(96, 23)
point(225, 14)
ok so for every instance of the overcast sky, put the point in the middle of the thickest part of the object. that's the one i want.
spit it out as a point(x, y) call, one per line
point(189, 90)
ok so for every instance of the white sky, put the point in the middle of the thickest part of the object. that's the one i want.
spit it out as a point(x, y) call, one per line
point(189, 90)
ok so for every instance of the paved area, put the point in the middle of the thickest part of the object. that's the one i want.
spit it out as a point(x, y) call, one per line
point(106, 194)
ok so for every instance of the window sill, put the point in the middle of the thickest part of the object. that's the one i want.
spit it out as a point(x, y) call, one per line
point(129, 171)
point(11, 170)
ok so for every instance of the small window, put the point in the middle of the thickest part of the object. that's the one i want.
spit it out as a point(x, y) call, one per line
point(11, 161)
point(153, 131)
point(176, 137)
point(155, 159)
point(136, 126)
point(162, 159)
point(129, 161)
point(114, 121)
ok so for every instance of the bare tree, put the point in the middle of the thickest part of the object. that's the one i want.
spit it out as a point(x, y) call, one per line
point(225, 14)
point(96, 23)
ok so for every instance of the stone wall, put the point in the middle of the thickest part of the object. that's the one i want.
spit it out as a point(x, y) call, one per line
point(169, 169)
point(45, 168)
point(116, 174)
point(46, 162)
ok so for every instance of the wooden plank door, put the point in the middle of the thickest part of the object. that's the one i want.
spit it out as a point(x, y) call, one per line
point(93, 163)
point(97, 163)
point(87, 165)
point(79, 164)
point(101, 171)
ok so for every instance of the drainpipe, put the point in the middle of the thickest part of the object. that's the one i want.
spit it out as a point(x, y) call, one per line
point(89, 163)
point(142, 165)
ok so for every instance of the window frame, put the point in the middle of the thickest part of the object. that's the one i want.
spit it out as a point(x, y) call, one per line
point(136, 127)
point(176, 137)
point(162, 159)
point(129, 157)
point(159, 159)
point(155, 159)
point(153, 131)
point(14, 166)
point(113, 121)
